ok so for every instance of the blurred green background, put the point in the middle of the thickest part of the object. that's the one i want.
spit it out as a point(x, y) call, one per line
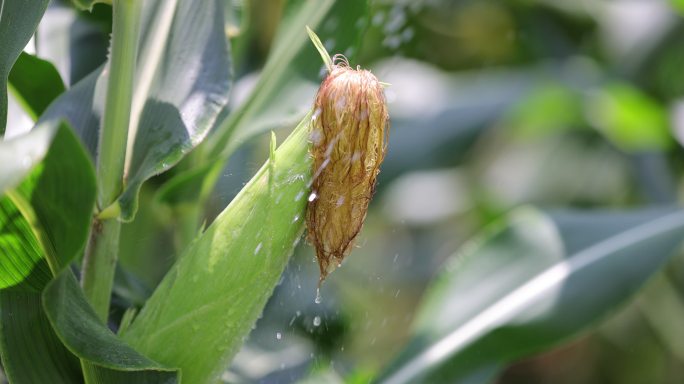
point(493, 105)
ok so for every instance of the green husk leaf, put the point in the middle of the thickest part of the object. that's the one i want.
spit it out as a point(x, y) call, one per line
point(217, 289)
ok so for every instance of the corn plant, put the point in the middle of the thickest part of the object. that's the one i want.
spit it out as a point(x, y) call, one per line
point(160, 105)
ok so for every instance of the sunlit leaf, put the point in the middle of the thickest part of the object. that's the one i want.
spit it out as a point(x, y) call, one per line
point(44, 217)
point(217, 289)
point(44, 222)
point(630, 119)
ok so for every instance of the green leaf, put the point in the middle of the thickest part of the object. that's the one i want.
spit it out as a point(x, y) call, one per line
point(44, 218)
point(289, 80)
point(43, 225)
point(199, 315)
point(632, 120)
point(678, 5)
point(18, 21)
point(183, 82)
point(31, 352)
point(36, 83)
point(549, 109)
point(80, 329)
point(325, 56)
point(284, 92)
point(529, 285)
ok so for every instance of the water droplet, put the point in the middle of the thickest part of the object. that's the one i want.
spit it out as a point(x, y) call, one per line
point(296, 218)
point(316, 136)
point(299, 196)
point(317, 300)
point(258, 248)
point(312, 196)
point(279, 335)
point(317, 321)
point(315, 115)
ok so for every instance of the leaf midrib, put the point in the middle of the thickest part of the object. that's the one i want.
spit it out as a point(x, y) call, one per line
point(532, 289)
point(29, 214)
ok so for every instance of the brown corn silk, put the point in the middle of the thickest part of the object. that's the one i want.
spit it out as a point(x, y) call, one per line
point(348, 142)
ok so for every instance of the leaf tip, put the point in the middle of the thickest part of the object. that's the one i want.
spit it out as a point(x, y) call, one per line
point(327, 60)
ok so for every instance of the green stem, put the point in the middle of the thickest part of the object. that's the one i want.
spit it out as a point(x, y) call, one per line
point(99, 265)
point(117, 114)
point(100, 258)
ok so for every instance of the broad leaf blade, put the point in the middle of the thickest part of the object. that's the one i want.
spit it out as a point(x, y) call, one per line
point(31, 352)
point(216, 290)
point(61, 191)
point(36, 83)
point(44, 219)
point(529, 285)
point(80, 329)
point(183, 80)
point(18, 21)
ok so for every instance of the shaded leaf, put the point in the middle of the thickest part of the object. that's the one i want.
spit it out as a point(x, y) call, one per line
point(18, 22)
point(31, 352)
point(527, 286)
point(216, 290)
point(285, 89)
point(80, 329)
point(36, 83)
point(289, 80)
point(183, 78)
